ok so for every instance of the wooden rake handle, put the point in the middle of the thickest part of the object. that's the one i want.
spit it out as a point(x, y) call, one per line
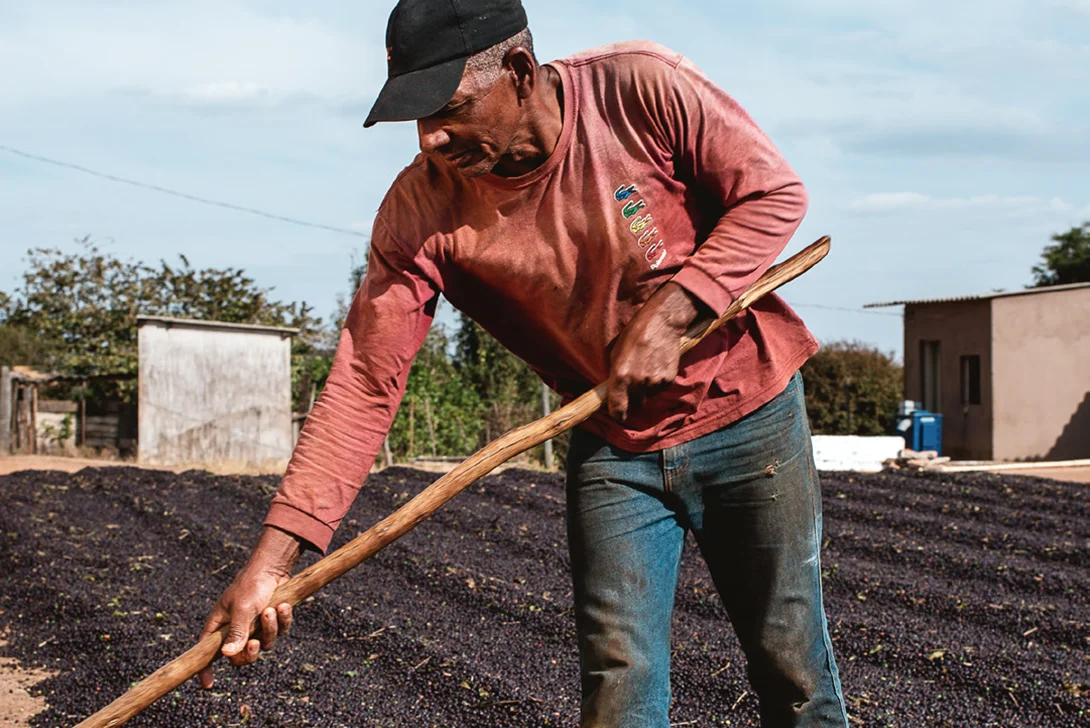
point(403, 520)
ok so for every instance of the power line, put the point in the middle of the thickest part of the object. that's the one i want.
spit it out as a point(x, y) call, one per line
point(845, 308)
point(183, 195)
point(292, 220)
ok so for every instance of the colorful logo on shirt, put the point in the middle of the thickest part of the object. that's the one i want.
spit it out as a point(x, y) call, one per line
point(641, 226)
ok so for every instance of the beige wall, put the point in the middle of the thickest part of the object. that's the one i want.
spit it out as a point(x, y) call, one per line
point(1042, 376)
point(964, 328)
point(214, 395)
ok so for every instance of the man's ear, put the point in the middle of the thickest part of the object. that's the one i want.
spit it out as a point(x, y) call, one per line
point(521, 64)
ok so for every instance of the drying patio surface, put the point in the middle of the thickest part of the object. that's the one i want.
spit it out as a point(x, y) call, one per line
point(954, 600)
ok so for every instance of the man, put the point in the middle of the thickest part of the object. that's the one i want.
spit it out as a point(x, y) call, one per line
point(585, 212)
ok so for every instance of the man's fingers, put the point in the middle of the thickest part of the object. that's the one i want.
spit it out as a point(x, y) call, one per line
point(205, 677)
point(284, 615)
point(247, 654)
point(617, 399)
point(268, 628)
point(253, 647)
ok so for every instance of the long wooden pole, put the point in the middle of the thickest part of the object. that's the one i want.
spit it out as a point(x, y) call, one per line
point(403, 520)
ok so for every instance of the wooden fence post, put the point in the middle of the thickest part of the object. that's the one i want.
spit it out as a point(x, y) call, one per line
point(412, 420)
point(5, 410)
point(386, 451)
point(83, 413)
point(34, 419)
point(431, 424)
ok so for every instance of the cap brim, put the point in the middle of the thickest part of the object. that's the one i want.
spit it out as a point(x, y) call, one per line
point(417, 94)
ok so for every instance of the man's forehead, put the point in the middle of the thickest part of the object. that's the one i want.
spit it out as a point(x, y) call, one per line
point(472, 81)
point(468, 87)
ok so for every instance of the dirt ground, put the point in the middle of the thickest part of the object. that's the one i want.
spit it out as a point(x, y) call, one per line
point(17, 706)
point(1069, 475)
point(14, 463)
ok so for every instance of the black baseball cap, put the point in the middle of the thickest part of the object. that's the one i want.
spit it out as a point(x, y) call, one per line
point(427, 45)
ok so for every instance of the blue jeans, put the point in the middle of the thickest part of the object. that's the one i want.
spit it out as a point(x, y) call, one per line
point(749, 492)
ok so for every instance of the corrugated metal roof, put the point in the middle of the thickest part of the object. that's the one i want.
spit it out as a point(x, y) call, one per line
point(983, 296)
point(170, 321)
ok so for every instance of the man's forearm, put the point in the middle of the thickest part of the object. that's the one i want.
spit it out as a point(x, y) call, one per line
point(276, 552)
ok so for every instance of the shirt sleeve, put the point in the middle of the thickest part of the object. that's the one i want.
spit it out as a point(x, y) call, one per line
point(386, 325)
point(717, 146)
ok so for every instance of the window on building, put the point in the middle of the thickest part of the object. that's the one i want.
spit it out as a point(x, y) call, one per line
point(930, 375)
point(970, 379)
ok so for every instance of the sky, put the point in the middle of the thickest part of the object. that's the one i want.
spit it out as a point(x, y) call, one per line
point(942, 143)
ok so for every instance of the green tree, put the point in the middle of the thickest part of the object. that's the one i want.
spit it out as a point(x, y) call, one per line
point(1067, 260)
point(227, 294)
point(508, 389)
point(852, 389)
point(439, 414)
point(82, 307)
point(17, 345)
point(356, 274)
point(310, 369)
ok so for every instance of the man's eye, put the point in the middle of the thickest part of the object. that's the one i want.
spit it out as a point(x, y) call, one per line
point(448, 111)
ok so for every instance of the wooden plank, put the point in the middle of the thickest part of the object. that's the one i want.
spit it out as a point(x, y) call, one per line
point(111, 420)
point(58, 406)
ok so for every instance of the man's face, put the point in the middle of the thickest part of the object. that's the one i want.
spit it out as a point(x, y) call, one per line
point(477, 126)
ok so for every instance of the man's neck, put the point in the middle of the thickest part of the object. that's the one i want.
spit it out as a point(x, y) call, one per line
point(540, 132)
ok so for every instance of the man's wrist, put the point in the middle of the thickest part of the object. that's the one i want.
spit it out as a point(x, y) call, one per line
point(679, 308)
point(276, 551)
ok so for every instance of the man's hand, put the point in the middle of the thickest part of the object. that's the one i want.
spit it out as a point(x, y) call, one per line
point(269, 566)
point(645, 356)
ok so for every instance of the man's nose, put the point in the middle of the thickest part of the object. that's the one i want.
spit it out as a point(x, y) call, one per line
point(432, 135)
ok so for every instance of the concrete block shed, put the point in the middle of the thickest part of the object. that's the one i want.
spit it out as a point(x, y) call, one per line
point(213, 392)
point(1007, 370)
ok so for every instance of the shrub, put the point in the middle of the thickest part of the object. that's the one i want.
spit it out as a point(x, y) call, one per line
point(852, 389)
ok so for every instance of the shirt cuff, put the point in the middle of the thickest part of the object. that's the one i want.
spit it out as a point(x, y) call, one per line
point(705, 288)
point(317, 534)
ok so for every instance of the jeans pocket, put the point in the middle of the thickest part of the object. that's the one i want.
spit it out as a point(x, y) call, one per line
point(760, 443)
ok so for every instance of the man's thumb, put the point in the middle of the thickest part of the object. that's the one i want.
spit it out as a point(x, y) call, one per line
point(236, 639)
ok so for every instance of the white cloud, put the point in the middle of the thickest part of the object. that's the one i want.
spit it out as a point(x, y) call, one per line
point(227, 91)
point(890, 202)
point(990, 79)
point(1078, 6)
point(198, 50)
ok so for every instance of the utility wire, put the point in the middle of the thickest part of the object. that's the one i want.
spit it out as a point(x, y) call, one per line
point(183, 195)
point(844, 308)
point(292, 220)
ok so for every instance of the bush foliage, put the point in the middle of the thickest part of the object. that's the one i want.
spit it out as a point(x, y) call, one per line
point(852, 389)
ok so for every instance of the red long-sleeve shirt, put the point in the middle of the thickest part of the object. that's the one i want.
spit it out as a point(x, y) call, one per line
point(658, 175)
